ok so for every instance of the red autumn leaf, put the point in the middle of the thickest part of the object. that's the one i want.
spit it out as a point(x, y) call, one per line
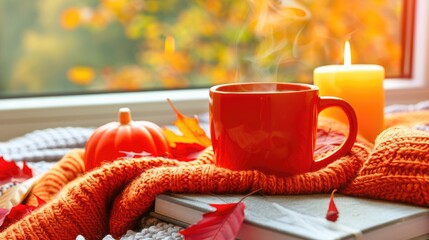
point(40, 202)
point(10, 172)
point(221, 224)
point(3, 213)
point(16, 213)
point(186, 151)
point(332, 214)
point(8, 217)
point(26, 170)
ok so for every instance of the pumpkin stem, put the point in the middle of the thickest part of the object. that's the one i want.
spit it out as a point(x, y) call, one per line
point(124, 116)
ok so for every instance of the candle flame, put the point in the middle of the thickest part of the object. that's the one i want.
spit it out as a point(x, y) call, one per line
point(347, 54)
point(170, 45)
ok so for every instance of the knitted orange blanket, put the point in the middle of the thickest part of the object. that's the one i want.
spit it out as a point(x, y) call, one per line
point(111, 199)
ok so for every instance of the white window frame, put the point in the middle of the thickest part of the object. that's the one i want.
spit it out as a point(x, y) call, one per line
point(20, 116)
point(416, 89)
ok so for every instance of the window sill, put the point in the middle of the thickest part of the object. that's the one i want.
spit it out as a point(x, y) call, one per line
point(405, 91)
point(20, 116)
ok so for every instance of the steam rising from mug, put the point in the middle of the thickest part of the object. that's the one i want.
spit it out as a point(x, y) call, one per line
point(273, 22)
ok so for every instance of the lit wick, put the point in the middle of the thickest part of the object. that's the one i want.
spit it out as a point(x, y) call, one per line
point(347, 55)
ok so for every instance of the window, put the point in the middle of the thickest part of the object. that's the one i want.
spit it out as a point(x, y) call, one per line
point(108, 46)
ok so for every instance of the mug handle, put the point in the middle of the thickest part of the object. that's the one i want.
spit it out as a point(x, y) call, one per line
point(346, 146)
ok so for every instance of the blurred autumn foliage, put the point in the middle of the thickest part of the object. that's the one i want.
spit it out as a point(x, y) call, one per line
point(54, 47)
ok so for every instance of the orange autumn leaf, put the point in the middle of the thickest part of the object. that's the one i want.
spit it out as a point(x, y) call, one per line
point(170, 45)
point(115, 5)
point(71, 18)
point(81, 75)
point(190, 129)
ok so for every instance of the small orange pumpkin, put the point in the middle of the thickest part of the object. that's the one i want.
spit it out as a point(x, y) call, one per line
point(110, 141)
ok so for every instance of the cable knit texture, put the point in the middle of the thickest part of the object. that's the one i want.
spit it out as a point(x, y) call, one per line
point(69, 168)
point(397, 169)
point(112, 198)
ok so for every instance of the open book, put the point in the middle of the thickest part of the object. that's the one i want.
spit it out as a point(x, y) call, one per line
point(303, 216)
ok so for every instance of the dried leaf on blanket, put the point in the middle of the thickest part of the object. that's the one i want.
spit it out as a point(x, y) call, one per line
point(10, 172)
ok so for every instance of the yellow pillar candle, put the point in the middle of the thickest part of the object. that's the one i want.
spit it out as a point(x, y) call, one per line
point(361, 85)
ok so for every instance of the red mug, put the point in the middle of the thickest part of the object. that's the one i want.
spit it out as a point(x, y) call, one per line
point(271, 127)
